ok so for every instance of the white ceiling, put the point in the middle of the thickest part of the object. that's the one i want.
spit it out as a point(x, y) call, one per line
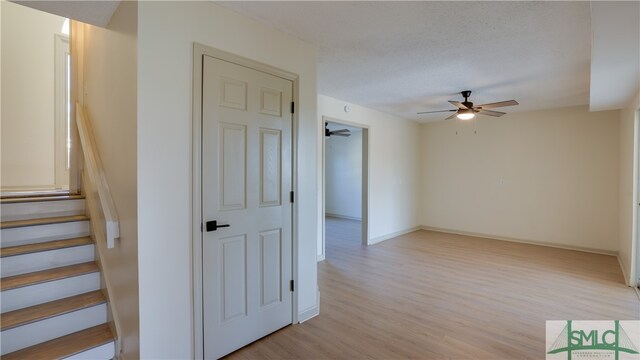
point(405, 57)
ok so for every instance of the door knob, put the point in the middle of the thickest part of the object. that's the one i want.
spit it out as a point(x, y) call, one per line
point(213, 225)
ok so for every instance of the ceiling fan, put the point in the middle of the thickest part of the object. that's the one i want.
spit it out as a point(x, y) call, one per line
point(467, 111)
point(341, 132)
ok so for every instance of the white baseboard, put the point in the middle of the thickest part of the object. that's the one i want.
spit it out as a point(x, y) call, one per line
point(530, 242)
point(310, 312)
point(320, 257)
point(378, 239)
point(624, 270)
point(346, 217)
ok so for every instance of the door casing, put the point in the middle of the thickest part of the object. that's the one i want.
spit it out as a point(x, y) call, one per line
point(199, 50)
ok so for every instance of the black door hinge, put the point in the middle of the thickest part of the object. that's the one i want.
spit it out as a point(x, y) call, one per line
point(291, 197)
point(291, 286)
point(293, 107)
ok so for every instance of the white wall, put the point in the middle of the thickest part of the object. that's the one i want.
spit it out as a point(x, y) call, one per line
point(343, 175)
point(627, 198)
point(166, 32)
point(393, 167)
point(544, 176)
point(110, 68)
point(27, 97)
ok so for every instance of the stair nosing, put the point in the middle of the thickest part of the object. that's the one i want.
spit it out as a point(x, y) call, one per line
point(20, 354)
point(27, 197)
point(39, 198)
point(92, 269)
point(43, 221)
point(42, 247)
point(101, 301)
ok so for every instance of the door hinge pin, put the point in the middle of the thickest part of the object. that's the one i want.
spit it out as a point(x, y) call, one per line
point(291, 286)
point(291, 196)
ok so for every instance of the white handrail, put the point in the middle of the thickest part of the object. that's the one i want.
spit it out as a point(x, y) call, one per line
point(93, 164)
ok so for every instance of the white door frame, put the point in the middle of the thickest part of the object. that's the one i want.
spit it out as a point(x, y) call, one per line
point(61, 50)
point(634, 275)
point(365, 180)
point(199, 50)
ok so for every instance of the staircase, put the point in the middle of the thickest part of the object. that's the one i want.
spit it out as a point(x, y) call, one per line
point(51, 302)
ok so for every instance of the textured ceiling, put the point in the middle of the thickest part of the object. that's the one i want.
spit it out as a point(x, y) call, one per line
point(405, 57)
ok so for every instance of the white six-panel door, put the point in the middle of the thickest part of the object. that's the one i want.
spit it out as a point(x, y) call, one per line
point(246, 179)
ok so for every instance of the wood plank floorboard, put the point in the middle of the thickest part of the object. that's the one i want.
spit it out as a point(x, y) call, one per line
point(45, 246)
point(431, 295)
point(65, 346)
point(38, 277)
point(43, 311)
point(43, 221)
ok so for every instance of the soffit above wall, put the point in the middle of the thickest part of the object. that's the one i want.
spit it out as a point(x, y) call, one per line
point(615, 54)
point(94, 12)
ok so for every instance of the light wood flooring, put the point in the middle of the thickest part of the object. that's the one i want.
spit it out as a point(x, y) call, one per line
point(430, 295)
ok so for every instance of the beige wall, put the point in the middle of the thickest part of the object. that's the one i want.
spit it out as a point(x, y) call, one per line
point(166, 33)
point(27, 114)
point(110, 99)
point(545, 176)
point(627, 198)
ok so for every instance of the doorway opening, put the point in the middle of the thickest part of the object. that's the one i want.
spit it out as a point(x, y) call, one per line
point(345, 178)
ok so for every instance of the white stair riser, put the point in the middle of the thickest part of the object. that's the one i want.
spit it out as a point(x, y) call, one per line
point(42, 209)
point(106, 351)
point(42, 233)
point(45, 330)
point(53, 290)
point(44, 260)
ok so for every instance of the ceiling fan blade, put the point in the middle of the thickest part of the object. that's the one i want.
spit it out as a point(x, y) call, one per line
point(458, 104)
point(497, 104)
point(438, 111)
point(491, 113)
point(341, 134)
point(341, 130)
point(452, 116)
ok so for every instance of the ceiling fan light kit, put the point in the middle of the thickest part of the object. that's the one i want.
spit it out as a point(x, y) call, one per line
point(465, 114)
point(467, 111)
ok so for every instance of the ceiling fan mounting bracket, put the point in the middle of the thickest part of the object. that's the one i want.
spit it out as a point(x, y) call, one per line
point(465, 94)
